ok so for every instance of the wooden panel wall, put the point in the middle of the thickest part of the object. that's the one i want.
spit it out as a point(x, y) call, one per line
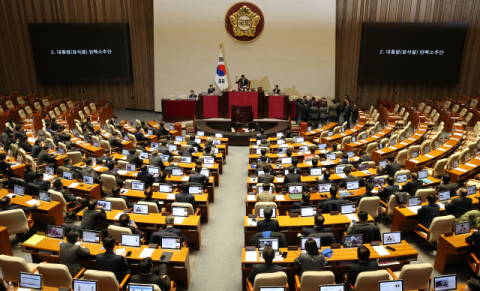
point(17, 66)
point(351, 14)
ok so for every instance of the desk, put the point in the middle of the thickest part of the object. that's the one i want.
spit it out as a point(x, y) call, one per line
point(340, 261)
point(208, 185)
point(450, 250)
point(337, 138)
point(362, 144)
point(311, 135)
point(178, 267)
point(5, 246)
point(47, 212)
point(291, 226)
point(157, 126)
point(131, 130)
point(404, 219)
point(243, 98)
point(465, 171)
point(190, 226)
point(178, 110)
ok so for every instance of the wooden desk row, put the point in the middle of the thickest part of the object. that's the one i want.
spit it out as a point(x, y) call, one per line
point(337, 138)
point(376, 138)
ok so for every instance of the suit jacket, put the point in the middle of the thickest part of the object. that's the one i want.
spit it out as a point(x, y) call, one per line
point(316, 229)
point(91, 218)
point(192, 96)
point(173, 230)
point(268, 225)
point(265, 197)
point(300, 204)
point(291, 178)
point(26, 146)
point(391, 169)
point(35, 151)
point(152, 279)
point(139, 135)
point(164, 151)
point(332, 110)
point(109, 261)
point(474, 239)
point(198, 178)
point(452, 187)
point(276, 91)
point(459, 206)
point(355, 114)
point(343, 183)
point(29, 176)
point(359, 267)
point(15, 206)
point(260, 165)
point(243, 82)
point(134, 159)
point(185, 198)
point(146, 178)
point(347, 110)
point(370, 231)
point(304, 112)
point(114, 143)
point(44, 158)
point(262, 269)
point(111, 122)
point(266, 178)
point(70, 256)
point(89, 171)
point(387, 191)
point(113, 173)
point(155, 161)
point(427, 213)
point(412, 186)
point(209, 91)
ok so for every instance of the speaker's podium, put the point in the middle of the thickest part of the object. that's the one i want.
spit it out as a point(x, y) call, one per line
point(242, 114)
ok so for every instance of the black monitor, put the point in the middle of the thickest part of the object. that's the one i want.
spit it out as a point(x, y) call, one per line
point(353, 241)
point(447, 282)
point(462, 228)
point(55, 232)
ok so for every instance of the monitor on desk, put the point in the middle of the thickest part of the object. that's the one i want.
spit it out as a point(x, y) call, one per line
point(423, 174)
point(279, 134)
point(274, 212)
point(259, 151)
point(260, 172)
point(139, 186)
point(308, 211)
point(164, 158)
point(381, 146)
point(350, 154)
point(414, 201)
point(153, 170)
point(295, 189)
point(462, 228)
point(339, 169)
point(402, 138)
point(372, 133)
point(172, 147)
point(444, 195)
point(198, 140)
point(131, 240)
point(414, 154)
point(454, 163)
point(363, 166)
point(172, 127)
point(44, 196)
point(471, 190)
point(286, 161)
point(140, 209)
point(390, 238)
point(59, 150)
point(67, 175)
point(280, 141)
point(195, 190)
point(347, 208)
point(315, 171)
point(55, 232)
point(209, 161)
point(177, 172)
point(364, 136)
point(18, 190)
point(332, 156)
point(180, 211)
point(353, 241)
point(91, 236)
point(95, 144)
point(281, 150)
point(303, 240)
point(140, 287)
point(126, 138)
point(130, 167)
point(201, 133)
point(149, 132)
point(216, 151)
point(30, 281)
point(88, 180)
point(342, 129)
point(382, 163)
point(85, 139)
point(378, 181)
point(354, 139)
point(105, 205)
point(391, 285)
point(165, 188)
point(447, 282)
point(330, 133)
point(49, 171)
point(125, 152)
point(205, 172)
point(303, 149)
point(216, 142)
point(186, 160)
point(171, 243)
point(322, 146)
point(427, 149)
point(270, 242)
point(143, 155)
point(392, 142)
point(322, 188)
point(299, 139)
point(402, 178)
point(178, 138)
point(260, 190)
point(353, 185)
point(219, 135)
point(338, 287)
point(154, 145)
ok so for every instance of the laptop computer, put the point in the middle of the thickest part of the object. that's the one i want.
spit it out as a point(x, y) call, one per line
point(423, 175)
point(338, 287)
point(354, 139)
point(315, 171)
point(49, 171)
point(444, 195)
point(303, 149)
point(414, 154)
point(353, 185)
point(53, 231)
point(140, 287)
point(125, 152)
point(131, 240)
point(208, 161)
point(330, 133)
point(454, 163)
point(88, 180)
point(382, 163)
point(350, 154)
point(139, 186)
point(392, 142)
point(427, 149)
point(390, 238)
point(331, 156)
point(322, 146)
point(347, 208)
point(186, 160)
point(143, 155)
point(414, 201)
point(172, 147)
point(339, 169)
point(286, 161)
point(218, 135)
point(280, 141)
point(303, 240)
point(447, 282)
point(205, 172)
point(391, 285)
point(271, 242)
point(279, 134)
point(44, 196)
point(18, 190)
point(165, 188)
point(308, 211)
point(177, 172)
point(274, 212)
point(353, 241)
point(363, 166)
point(180, 211)
point(462, 228)
point(178, 138)
point(322, 188)
point(140, 209)
point(299, 139)
point(91, 236)
point(171, 243)
point(402, 178)
point(471, 190)
point(295, 189)
point(381, 146)
point(378, 181)
point(198, 140)
point(154, 145)
point(82, 284)
point(67, 175)
point(30, 281)
point(106, 205)
point(195, 190)
point(153, 170)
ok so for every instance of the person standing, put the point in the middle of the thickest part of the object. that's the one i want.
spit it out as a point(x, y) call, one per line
point(346, 113)
point(276, 91)
point(332, 111)
point(355, 113)
point(314, 115)
point(304, 111)
point(323, 113)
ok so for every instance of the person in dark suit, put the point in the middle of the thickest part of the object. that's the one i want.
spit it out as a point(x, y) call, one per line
point(148, 198)
point(114, 140)
point(89, 171)
point(139, 136)
point(318, 228)
point(370, 231)
point(185, 196)
point(54, 125)
point(124, 221)
point(459, 205)
point(268, 267)
point(305, 113)
point(412, 186)
point(363, 157)
point(5, 168)
point(116, 194)
point(379, 172)
point(346, 113)
point(163, 150)
point(133, 158)
point(6, 204)
point(71, 254)
point(392, 167)
point(105, 158)
point(198, 177)
point(151, 275)
point(192, 141)
point(169, 220)
point(36, 148)
point(262, 134)
point(368, 193)
point(363, 254)
point(43, 185)
point(58, 186)
point(162, 129)
point(155, 160)
point(292, 177)
point(211, 89)
point(339, 111)
point(268, 224)
point(474, 239)
point(262, 163)
point(333, 202)
point(192, 95)
point(304, 203)
point(387, 191)
point(332, 111)
point(446, 185)
point(44, 158)
point(29, 174)
point(348, 173)
point(355, 113)
point(25, 145)
point(92, 217)
point(266, 177)
point(276, 90)
point(188, 152)
point(18, 132)
point(111, 171)
point(109, 261)
point(428, 212)
point(112, 121)
point(243, 82)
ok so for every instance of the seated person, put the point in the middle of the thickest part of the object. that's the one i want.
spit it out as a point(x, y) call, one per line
point(318, 228)
point(412, 186)
point(333, 202)
point(169, 228)
point(111, 262)
point(446, 185)
point(150, 275)
point(262, 134)
point(111, 171)
point(6, 204)
point(386, 191)
point(363, 265)
point(344, 160)
point(105, 158)
point(185, 196)
point(198, 177)
point(334, 148)
point(262, 163)
point(145, 177)
point(133, 158)
point(116, 194)
point(266, 177)
point(379, 170)
point(312, 260)
point(297, 170)
point(370, 231)
point(188, 152)
point(326, 178)
point(292, 177)
point(92, 217)
point(392, 167)
point(428, 212)
point(43, 185)
point(58, 186)
point(368, 193)
point(89, 171)
point(207, 151)
point(347, 170)
point(124, 221)
point(268, 267)
point(459, 205)
point(266, 196)
point(363, 157)
point(267, 224)
point(71, 254)
point(473, 285)
point(264, 142)
point(474, 239)
point(305, 201)
point(148, 198)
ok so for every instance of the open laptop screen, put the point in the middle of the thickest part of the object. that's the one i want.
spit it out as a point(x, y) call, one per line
point(422, 174)
point(18, 190)
point(442, 196)
point(137, 287)
point(338, 287)
point(307, 211)
point(91, 236)
point(153, 170)
point(271, 242)
point(402, 178)
point(274, 213)
point(471, 190)
point(140, 208)
point(30, 281)
point(324, 188)
point(414, 201)
point(462, 228)
point(130, 240)
point(448, 282)
point(84, 285)
point(165, 188)
point(303, 240)
point(55, 231)
point(347, 208)
point(180, 211)
point(353, 185)
point(393, 285)
point(353, 241)
point(390, 238)
point(172, 243)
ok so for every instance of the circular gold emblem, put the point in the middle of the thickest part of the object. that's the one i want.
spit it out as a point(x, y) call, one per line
point(244, 22)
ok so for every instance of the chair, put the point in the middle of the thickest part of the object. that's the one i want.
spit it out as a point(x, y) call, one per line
point(440, 225)
point(63, 107)
point(106, 146)
point(20, 101)
point(86, 110)
point(294, 128)
point(401, 157)
point(132, 138)
point(12, 266)
point(370, 205)
point(152, 206)
point(22, 114)
point(403, 121)
point(45, 102)
point(389, 208)
point(117, 231)
point(76, 157)
point(411, 149)
point(105, 280)
point(438, 169)
point(451, 158)
point(473, 103)
point(467, 119)
point(268, 280)
point(421, 106)
point(368, 281)
point(10, 104)
point(455, 108)
point(259, 205)
point(414, 276)
point(57, 111)
point(28, 110)
point(57, 196)
point(93, 108)
point(117, 203)
point(190, 207)
point(108, 183)
point(312, 279)
point(70, 104)
point(16, 221)
point(434, 121)
point(423, 193)
point(55, 275)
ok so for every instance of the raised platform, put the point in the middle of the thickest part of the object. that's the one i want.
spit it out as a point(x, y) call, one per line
point(239, 137)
